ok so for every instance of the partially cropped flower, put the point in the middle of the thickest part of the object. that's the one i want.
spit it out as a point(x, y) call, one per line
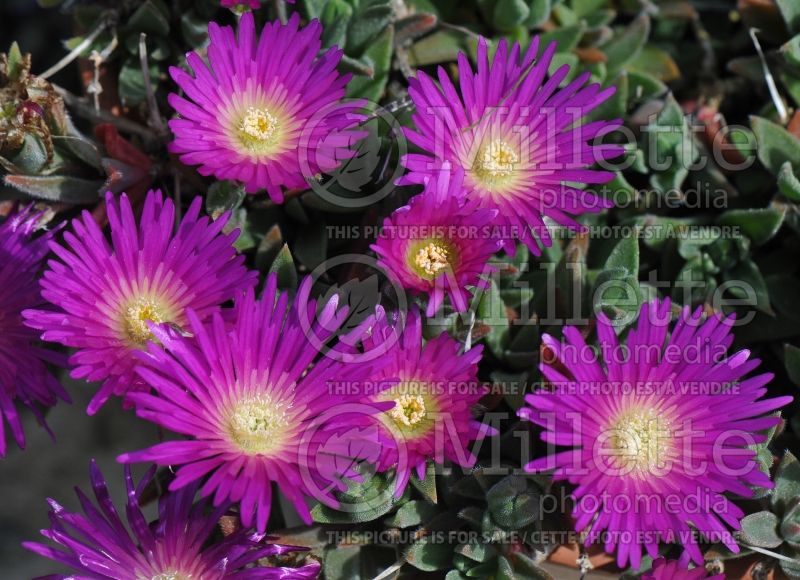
point(658, 434)
point(515, 135)
point(267, 110)
point(97, 544)
point(435, 400)
point(103, 295)
point(251, 4)
point(439, 244)
point(24, 377)
point(673, 570)
point(253, 402)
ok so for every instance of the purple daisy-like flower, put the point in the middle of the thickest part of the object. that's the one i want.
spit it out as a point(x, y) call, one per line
point(103, 294)
point(267, 110)
point(254, 402)
point(672, 570)
point(435, 389)
point(97, 544)
point(438, 244)
point(252, 4)
point(658, 435)
point(24, 376)
point(516, 136)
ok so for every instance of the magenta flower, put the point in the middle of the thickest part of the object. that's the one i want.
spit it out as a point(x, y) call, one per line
point(266, 110)
point(516, 137)
point(435, 391)
point(439, 244)
point(103, 295)
point(24, 376)
point(658, 434)
point(255, 409)
point(252, 4)
point(672, 570)
point(97, 544)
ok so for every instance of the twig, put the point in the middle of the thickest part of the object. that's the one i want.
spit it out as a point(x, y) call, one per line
point(155, 116)
point(280, 10)
point(98, 58)
point(75, 52)
point(461, 29)
point(773, 89)
point(771, 553)
point(389, 571)
point(85, 109)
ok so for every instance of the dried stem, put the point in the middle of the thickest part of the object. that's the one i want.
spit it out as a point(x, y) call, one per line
point(155, 116)
point(84, 108)
point(75, 52)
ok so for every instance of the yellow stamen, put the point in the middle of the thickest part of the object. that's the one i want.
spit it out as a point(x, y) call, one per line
point(408, 410)
point(258, 125)
point(637, 439)
point(432, 258)
point(255, 424)
point(172, 576)
point(497, 159)
point(138, 314)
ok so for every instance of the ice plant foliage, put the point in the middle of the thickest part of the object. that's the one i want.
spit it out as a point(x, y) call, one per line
point(266, 110)
point(24, 376)
point(248, 401)
point(667, 418)
point(439, 244)
point(175, 547)
point(103, 295)
point(672, 570)
point(435, 391)
point(515, 135)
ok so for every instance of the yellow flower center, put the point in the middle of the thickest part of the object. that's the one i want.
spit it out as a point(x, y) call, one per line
point(258, 128)
point(638, 440)
point(172, 576)
point(137, 315)
point(408, 410)
point(432, 258)
point(255, 424)
point(496, 160)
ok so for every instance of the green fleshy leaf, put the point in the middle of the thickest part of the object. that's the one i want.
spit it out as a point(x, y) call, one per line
point(509, 13)
point(224, 196)
point(790, 10)
point(748, 272)
point(284, 267)
point(627, 44)
point(427, 486)
point(788, 183)
point(370, 19)
point(514, 502)
point(787, 483)
point(378, 57)
point(567, 37)
point(776, 145)
point(539, 12)
point(478, 551)
point(760, 225)
point(131, 81)
point(152, 17)
point(60, 188)
point(791, 355)
point(335, 19)
point(761, 530)
point(412, 513)
point(15, 61)
point(791, 51)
